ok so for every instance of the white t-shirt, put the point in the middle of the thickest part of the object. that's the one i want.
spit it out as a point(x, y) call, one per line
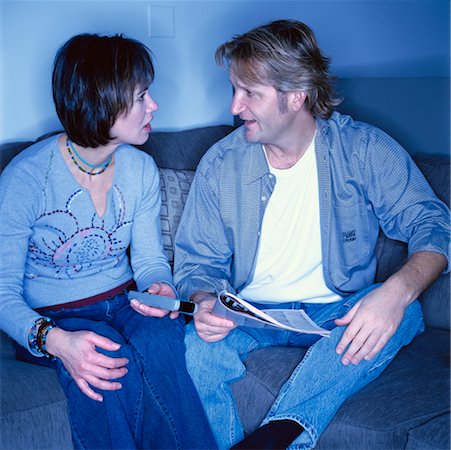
point(289, 262)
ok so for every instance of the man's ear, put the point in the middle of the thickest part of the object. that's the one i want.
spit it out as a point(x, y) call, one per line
point(298, 100)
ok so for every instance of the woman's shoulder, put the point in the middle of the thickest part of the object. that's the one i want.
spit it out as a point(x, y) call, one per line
point(135, 167)
point(34, 158)
point(131, 155)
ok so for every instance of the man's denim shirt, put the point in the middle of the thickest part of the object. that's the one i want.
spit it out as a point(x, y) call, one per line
point(366, 181)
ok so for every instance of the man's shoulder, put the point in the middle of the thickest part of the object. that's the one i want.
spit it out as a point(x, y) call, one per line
point(339, 123)
point(231, 147)
point(343, 133)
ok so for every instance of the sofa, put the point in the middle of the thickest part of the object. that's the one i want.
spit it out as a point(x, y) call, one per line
point(407, 407)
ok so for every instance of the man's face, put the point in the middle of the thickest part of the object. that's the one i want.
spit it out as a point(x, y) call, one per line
point(264, 110)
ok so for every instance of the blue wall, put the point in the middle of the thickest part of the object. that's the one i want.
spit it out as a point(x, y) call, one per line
point(391, 57)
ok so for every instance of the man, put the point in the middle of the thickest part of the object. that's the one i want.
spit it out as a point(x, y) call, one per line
point(286, 211)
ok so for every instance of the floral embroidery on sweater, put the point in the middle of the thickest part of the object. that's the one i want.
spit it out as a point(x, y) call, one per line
point(68, 243)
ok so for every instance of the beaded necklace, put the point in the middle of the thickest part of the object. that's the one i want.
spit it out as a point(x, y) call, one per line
point(103, 166)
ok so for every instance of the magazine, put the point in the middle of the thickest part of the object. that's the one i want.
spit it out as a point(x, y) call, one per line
point(242, 313)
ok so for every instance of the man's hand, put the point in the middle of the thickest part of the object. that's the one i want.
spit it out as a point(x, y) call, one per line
point(88, 367)
point(371, 322)
point(375, 318)
point(146, 310)
point(209, 327)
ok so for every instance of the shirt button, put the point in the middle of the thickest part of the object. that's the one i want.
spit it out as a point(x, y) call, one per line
point(263, 198)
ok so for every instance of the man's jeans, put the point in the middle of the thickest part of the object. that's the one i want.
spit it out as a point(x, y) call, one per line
point(158, 406)
point(316, 388)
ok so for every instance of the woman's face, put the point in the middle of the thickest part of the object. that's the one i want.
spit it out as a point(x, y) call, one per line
point(133, 127)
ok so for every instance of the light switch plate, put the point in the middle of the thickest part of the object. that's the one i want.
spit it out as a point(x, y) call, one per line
point(160, 21)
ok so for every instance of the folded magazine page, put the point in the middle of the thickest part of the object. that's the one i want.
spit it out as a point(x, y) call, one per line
point(245, 314)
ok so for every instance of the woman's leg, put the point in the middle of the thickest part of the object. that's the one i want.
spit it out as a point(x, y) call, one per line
point(116, 421)
point(173, 417)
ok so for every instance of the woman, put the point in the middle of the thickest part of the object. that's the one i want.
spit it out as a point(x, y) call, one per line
point(71, 206)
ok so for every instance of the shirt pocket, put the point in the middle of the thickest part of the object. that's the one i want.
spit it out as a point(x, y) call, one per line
point(351, 236)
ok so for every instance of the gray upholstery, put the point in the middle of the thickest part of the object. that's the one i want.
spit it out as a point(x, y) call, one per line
point(174, 185)
point(183, 149)
point(406, 407)
point(33, 408)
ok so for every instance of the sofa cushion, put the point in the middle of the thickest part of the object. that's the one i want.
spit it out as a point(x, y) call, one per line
point(174, 186)
point(435, 303)
point(8, 151)
point(412, 390)
point(433, 435)
point(6, 347)
point(436, 169)
point(267, 370)
point(183, 149)
point(33, 408)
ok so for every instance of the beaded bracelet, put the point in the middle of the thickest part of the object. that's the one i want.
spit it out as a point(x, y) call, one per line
point(38, 336)
point(32, 334)
point(41, 338)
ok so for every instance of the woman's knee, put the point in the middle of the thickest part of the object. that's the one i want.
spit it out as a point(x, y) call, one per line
point(156, 336)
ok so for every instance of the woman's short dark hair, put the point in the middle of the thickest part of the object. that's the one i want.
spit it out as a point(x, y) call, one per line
point(284, 54)
point(94, 80)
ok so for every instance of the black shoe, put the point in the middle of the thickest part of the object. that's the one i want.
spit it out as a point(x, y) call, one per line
point(275, 435)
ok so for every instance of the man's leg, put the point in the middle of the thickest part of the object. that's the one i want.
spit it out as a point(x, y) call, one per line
point(321, 383)
point(214, 366)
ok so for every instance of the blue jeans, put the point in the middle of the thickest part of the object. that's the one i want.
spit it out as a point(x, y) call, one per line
point(158, 406)
point(317, 387)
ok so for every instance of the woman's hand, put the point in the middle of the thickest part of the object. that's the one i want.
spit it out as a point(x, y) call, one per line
point(146, 310)
point(88, 367)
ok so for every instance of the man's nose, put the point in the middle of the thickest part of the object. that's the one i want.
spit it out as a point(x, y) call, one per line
point(237, 106)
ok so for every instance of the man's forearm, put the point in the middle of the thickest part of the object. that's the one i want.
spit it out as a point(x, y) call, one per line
point(416, 275)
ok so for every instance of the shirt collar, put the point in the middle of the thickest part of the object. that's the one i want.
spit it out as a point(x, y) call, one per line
point(256, 165)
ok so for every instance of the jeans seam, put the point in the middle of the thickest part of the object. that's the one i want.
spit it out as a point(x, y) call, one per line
point(165, 411)
point(136, 419)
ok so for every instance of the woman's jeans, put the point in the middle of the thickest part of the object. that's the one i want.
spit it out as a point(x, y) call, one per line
point(158, 406)
point(316, 388)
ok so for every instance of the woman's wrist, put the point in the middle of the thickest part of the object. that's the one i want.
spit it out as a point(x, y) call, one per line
point(37, 337)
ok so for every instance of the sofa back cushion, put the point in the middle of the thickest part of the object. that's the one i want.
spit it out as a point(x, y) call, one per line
point(174, 185)
point(182, 150)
